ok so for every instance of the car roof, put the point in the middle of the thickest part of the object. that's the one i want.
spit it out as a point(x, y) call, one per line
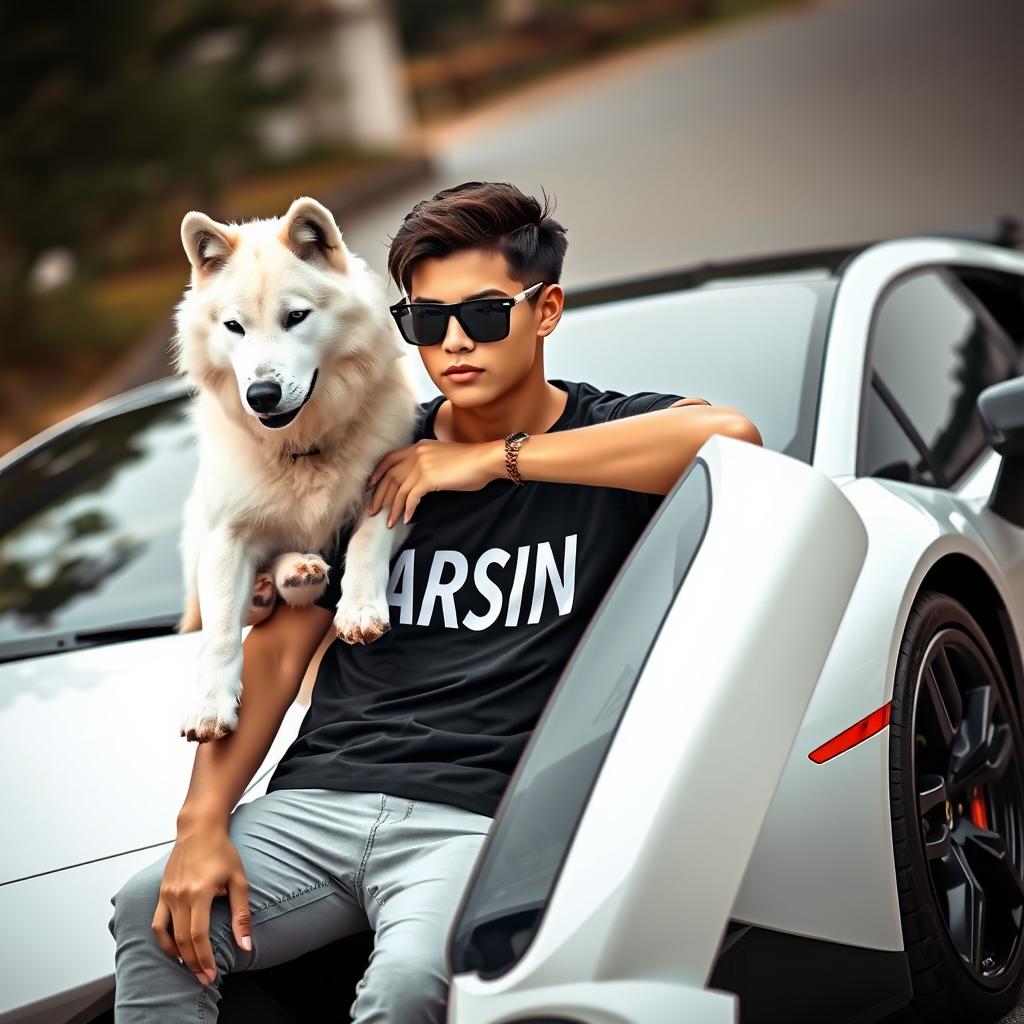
point(795, 265)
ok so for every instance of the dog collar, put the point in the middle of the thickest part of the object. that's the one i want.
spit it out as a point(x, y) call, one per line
point(298, 455)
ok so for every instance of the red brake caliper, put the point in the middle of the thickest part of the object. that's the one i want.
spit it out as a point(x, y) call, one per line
point(979, 813)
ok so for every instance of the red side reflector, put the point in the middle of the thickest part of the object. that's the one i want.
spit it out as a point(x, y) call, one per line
point(857, 733)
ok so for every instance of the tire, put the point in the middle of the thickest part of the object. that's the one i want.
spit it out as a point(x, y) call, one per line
point(956, 788)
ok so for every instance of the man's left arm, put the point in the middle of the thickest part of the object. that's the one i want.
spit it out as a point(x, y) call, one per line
point(645, 452)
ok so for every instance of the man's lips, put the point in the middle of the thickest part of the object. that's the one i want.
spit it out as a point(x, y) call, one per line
point(462, 376)
point(282, 419)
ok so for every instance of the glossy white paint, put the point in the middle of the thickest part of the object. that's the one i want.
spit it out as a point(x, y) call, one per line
point(92, 758)
point(823, 863)
point(58, 954)
point(643, 894)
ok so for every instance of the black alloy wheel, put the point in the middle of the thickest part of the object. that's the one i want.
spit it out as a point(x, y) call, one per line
point(956, 760)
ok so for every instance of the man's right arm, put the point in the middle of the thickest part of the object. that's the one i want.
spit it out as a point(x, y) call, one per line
point(275, 656)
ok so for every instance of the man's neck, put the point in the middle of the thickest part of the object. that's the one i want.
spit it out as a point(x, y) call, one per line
point(529, 406)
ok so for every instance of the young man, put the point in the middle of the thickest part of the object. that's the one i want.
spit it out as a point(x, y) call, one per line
point(376, 813)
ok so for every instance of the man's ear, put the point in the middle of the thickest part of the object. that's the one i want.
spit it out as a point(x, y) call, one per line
point(309, 230)
point(208, 244)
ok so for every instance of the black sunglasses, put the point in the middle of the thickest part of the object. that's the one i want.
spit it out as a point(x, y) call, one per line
point(426, 323)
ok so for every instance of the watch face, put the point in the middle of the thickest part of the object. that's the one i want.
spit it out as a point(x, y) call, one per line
point(519, 435)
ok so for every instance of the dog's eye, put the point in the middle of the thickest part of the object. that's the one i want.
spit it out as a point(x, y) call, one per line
point(296, 316)
point(234, 327)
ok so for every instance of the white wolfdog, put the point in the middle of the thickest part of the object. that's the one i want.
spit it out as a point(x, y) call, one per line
point(299, 391)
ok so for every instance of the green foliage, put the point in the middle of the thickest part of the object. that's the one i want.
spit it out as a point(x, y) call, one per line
point(108, 106)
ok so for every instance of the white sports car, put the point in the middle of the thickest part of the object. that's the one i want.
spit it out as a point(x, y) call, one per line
point(781, 777)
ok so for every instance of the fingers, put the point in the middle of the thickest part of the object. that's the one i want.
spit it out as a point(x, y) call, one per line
point(199, 932)
point(181, 915)
point(399, 507)
point(385, 494)
point(241, 920)
point(161, 919)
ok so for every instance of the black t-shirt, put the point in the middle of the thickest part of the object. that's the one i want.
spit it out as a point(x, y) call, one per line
point(488, 596)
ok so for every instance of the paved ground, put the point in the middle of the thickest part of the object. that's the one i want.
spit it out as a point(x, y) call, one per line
point(837, 121)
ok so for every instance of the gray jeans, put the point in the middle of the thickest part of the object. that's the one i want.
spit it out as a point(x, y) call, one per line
point(321, 864)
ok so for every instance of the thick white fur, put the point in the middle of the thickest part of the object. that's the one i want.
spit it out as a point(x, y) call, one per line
point(252, 506)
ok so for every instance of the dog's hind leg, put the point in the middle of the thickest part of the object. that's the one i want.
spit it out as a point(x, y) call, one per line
point(263, 598)
point(300, 578)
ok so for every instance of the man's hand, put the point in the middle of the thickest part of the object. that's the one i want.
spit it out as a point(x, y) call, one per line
point(404, 475)
point(203, 863)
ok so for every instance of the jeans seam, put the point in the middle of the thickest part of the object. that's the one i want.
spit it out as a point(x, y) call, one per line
point(408, 811)
point(369, 841)
point(203, 986)
point(290, 896)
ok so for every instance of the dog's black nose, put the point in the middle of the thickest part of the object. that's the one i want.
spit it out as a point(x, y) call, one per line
point(263, 395)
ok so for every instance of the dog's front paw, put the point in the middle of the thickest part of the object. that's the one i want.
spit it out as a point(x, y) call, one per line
point(214, 716)
point(300, 578)
point(361, 622)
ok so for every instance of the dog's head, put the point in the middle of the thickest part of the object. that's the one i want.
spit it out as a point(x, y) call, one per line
point(274, 306)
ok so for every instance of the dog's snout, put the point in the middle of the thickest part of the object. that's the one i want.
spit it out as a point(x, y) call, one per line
point(263, 395)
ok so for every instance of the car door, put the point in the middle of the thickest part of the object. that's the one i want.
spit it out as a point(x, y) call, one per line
point(605, 884)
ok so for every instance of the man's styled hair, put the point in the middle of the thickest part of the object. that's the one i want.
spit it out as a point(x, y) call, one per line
point(488, 215)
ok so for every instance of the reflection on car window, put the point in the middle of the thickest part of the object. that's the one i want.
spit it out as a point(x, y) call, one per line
point(89, 525)
point(888, 451)
point(550, 789)
point(936, 355)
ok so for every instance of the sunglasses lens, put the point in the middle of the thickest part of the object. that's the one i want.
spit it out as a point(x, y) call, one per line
point(421, 324)
point(485, 320)
point(429, 323)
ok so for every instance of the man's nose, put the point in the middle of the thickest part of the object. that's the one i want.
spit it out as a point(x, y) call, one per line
point(263, 395)
point(455, 338)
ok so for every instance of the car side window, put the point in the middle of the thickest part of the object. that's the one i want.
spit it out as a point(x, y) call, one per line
point(90, 525)
point(933, 350)
point(888, 450)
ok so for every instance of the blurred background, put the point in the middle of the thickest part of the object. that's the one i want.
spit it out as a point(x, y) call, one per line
point(668, 131)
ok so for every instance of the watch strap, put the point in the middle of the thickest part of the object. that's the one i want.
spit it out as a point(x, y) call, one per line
point(512, 445)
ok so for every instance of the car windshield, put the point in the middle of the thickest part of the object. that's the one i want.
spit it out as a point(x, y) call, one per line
point(753, 344)
point(89, 525)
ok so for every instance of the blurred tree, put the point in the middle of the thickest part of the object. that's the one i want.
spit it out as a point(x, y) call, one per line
point(104, 107)
point(445, 22)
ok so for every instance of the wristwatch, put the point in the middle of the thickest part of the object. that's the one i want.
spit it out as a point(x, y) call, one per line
point(512, 443)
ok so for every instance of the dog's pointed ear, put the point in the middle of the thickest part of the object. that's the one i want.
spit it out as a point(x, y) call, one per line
point(309, 230)
point(207, 243)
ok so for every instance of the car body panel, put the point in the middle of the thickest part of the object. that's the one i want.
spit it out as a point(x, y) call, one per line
point(842, 852)
point(93, 737)
point(749, 629)
point(57, 957)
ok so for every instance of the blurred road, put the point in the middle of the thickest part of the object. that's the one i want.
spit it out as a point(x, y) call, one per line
point(838, 121)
